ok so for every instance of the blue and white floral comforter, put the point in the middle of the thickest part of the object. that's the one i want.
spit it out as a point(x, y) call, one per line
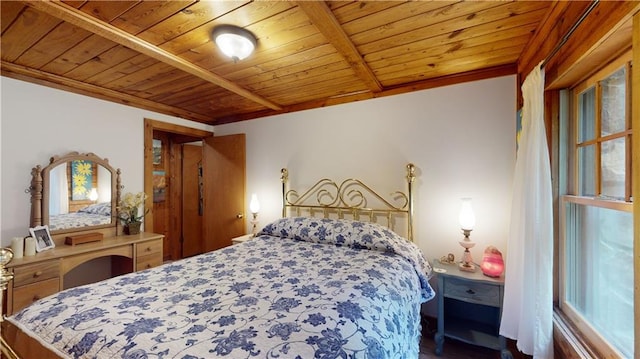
point(92, 215)
point(305, 288)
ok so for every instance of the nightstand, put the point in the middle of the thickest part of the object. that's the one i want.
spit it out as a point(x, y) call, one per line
point(469, 308)
point(241, 239)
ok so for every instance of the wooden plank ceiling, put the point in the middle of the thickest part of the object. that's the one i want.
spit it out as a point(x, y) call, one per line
point(158, 55)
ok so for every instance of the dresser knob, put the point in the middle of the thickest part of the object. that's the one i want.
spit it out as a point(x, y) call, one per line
point(148, 266)
point(37, 274)
point(148, 249)
point(36, 297)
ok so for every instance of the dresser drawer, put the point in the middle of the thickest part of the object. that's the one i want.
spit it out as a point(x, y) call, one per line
point(27, 294)
point(474, 292)
point(149, 247)
point(37, 272)
point(149, 261)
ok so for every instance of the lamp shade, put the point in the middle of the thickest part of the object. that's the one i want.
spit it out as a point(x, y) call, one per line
point(467, 217)
point(233, 41)
point(254, 205)
point(93, 194)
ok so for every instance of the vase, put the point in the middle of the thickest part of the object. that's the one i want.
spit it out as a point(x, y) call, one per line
point(132, 228)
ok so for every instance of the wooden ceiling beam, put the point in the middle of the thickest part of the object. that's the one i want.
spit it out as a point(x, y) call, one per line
point(66, 84)
point(322, 17)
point(112, 33)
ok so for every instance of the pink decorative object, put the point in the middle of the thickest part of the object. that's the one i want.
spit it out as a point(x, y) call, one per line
point(492, 263)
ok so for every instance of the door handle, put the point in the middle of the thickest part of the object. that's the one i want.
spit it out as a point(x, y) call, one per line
point(239, 216)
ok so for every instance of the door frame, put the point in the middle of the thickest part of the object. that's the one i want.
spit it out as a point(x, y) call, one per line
point(181, 134)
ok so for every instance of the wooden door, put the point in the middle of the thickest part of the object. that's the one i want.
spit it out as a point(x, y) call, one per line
point(224, 190)
point(192, 201)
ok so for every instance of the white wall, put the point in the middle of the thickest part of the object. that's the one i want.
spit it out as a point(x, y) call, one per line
point(460, 137)
point(37, 122)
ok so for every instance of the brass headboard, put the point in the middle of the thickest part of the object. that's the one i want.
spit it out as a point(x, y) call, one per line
point(352, 198)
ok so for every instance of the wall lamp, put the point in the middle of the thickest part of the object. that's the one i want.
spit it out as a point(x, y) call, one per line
point(234, 41)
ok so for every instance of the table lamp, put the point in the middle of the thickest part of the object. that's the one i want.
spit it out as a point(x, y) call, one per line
point(467, 221)
point(254, 207)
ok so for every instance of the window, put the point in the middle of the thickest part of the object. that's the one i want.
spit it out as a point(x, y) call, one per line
point(596, 252)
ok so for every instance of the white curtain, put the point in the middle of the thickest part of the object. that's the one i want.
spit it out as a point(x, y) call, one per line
point(59, 198)
point(528, 298)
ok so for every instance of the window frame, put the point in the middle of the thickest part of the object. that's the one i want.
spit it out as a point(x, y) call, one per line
point(594, 81)
point(571, 169)
point(587, 331)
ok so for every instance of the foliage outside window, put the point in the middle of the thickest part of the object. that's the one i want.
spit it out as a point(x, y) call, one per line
point(596, 258)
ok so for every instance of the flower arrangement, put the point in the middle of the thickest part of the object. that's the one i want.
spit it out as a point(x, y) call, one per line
point(128, 208)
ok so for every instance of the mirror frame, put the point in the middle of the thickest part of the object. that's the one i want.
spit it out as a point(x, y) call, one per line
point(40, 191)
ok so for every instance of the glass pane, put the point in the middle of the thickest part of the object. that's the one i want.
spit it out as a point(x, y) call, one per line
point(587, 115)
point(587, 171)
point(599, 276)
point(613, 103)
point(613, 168)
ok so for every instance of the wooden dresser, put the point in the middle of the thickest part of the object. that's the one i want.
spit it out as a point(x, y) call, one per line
point(41, 275)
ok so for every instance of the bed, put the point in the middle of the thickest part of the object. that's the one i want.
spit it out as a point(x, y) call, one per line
point(93, 215)
point(305, 287)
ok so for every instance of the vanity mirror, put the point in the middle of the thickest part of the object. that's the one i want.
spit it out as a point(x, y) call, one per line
point(75, 192)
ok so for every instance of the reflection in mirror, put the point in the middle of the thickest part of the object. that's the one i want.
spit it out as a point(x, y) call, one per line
point(80, 195)
point(75, 192)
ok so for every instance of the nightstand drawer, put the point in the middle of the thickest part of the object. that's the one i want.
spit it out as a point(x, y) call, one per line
point(35, 273)
point(472, 292)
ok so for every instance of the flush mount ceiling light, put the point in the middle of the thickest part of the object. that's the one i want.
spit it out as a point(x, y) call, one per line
point(233, 41)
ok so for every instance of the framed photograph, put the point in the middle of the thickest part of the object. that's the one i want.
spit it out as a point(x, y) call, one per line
point(43, 238)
